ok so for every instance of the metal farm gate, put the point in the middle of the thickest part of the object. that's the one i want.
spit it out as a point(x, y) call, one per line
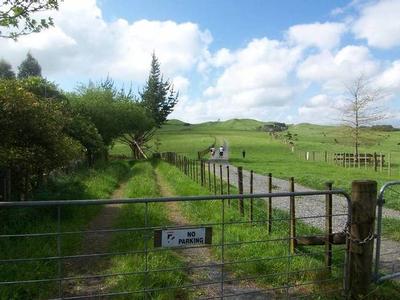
point(387, 251)
point(279, 253)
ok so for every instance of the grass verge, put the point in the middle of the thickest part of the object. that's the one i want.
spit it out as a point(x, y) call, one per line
point(98, 182)
point(300, 269)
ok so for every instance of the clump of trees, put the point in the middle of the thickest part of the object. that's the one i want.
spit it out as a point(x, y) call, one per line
point(43, 129)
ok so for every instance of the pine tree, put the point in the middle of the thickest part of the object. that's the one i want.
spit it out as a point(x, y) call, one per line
point(6, 71)
point(29, 67)
point(158, 96)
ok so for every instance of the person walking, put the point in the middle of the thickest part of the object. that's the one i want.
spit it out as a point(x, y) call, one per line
point(212, 152)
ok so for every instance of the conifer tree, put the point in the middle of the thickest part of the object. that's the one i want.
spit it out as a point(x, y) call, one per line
point(158, 96)
point(6, 71)
point(29, 67)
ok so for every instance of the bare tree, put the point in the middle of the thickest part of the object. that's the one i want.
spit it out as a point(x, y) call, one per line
point(361, 107)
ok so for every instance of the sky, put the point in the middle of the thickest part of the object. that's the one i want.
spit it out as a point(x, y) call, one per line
point(288, 61)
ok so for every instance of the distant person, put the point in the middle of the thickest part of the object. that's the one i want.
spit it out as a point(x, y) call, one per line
point(244, 153)
point(221, 151)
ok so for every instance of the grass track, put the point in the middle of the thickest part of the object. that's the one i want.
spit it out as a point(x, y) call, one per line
point(99, 182)
point(143, 184)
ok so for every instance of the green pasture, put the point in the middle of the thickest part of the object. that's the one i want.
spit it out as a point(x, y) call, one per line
point(266, 154)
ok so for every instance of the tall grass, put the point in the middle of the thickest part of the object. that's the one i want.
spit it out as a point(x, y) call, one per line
point(143, 184)
point(98, 182)
point(306, 266)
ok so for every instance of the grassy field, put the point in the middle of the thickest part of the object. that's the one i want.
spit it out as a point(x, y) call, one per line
point(265, 154)
point(99, 182)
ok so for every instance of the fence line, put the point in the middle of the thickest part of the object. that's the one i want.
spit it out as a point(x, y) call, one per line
point(379, 162)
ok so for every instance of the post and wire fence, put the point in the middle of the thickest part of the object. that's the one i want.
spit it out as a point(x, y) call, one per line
point(376, 161)
point(239, 253)
point(228, 245)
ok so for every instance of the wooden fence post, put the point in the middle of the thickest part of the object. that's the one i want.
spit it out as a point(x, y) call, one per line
point(269, 203)
point(240, 186)
point(202, 172)
point(196, 166)
point(221, 182)
point(363, 195)
point(375, 162)
point(390, 164)
point(380, 162)
point(229, 185)
point(209, 176)
point(326, 156)
point(251, 199)
point(328, 228)
point(215, 180)
point(292, 227)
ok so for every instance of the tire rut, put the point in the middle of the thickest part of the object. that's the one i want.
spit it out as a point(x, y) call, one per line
point(93, 242)
point(204, 256)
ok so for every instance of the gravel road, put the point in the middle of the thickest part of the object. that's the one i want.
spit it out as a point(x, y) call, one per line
point(309, 206)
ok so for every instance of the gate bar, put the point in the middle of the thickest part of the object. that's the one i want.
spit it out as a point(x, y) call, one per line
point(380, 203)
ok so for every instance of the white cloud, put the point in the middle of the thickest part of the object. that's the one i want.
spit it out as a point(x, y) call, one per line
point(319, 109)
point(84, 44)
point(389, 80)
point(379, 23)
point(334, 70)
point(181, 84)
point(320, 35)
point(257, 75)
point(254, 83)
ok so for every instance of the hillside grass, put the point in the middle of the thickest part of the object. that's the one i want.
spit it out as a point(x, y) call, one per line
point(98, 182)
point(265, 154)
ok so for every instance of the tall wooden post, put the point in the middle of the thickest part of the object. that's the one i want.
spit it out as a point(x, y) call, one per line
point(375, 161)
point(363, 195)
point(251, 199)
point(229, 184)
point(269, 203)
point(209, 176)
point(196, 170)
point(202, 172)
point(240, 186)
point(221, 182)
point(328, 228)
point(215, 180)
point(292, 227)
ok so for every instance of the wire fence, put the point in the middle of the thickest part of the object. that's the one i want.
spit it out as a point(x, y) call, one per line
point(379, 162)
point(237, 255)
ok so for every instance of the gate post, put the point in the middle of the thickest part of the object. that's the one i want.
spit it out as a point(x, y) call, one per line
point(363, 196)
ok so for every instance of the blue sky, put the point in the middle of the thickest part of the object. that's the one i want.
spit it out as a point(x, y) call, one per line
point(270, 60)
